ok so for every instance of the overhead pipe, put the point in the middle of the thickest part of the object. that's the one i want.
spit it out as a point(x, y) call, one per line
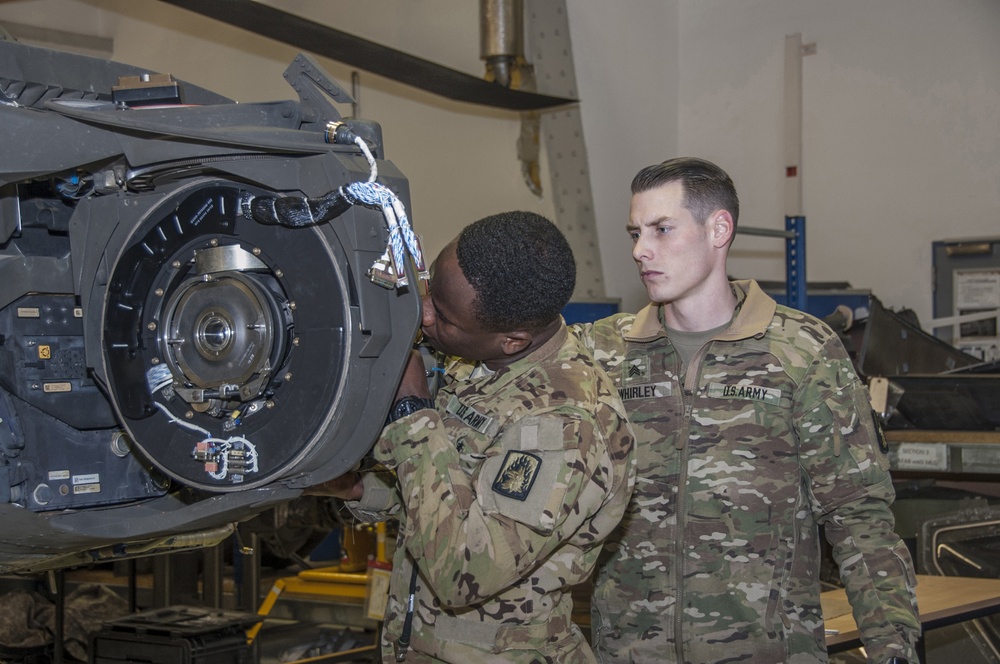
point(501, 37)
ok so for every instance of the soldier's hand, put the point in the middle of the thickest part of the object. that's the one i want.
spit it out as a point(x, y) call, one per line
point(346, 487)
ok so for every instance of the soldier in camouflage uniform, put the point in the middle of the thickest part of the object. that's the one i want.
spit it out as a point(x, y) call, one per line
point(752, 430)
point(509, 481)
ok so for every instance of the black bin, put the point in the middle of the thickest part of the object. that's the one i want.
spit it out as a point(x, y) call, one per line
point(176, 635)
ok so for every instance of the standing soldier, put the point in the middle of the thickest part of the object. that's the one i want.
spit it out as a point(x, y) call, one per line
point(752, 431)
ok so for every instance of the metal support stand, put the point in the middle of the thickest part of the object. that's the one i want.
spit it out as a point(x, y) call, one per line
point(246, 570)
point(133, 586)
point(795, 222)
point(58, 648)
point(211, 578)
point(795, 262)
point(163, 581)
point(795, 257)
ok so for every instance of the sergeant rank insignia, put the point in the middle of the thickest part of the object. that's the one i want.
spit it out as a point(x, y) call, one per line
point(636, 368)
point(517, 474)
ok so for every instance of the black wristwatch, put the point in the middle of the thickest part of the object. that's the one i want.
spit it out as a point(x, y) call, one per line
point(407, 406)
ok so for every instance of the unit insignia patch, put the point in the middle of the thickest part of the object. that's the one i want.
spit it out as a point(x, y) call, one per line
point(517, 475)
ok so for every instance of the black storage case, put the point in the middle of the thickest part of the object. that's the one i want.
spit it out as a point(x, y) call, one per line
point(176, 635)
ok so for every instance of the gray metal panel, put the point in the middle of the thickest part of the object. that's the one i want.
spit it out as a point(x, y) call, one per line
point(552, 57)
point(950, 257)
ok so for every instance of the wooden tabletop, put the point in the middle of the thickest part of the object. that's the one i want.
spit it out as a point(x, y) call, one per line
point(942, 600)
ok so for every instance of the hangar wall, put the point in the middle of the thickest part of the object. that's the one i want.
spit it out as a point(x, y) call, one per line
point(901, 144)
point(900, 141)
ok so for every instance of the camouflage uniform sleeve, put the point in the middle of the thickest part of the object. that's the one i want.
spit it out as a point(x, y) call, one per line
point(850, 490)
point(585, 333)
point(470, 540)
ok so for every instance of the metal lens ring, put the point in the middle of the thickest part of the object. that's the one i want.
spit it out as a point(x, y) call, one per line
point(220, 331)
point(214, 334)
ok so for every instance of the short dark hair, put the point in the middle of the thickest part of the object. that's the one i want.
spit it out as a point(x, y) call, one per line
point(707, 187)
point(520, 266)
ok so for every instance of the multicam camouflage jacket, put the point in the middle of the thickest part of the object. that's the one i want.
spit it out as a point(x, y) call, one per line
point(768, 435)
point(508, 488)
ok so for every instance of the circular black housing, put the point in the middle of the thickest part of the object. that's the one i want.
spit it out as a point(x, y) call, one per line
point(225, 339)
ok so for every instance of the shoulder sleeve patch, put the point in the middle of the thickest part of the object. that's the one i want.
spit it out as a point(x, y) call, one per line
point(521, 479)
point(517, 475)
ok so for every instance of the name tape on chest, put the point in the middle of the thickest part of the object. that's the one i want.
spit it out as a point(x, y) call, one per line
point(645, 391)
point(768, 395)
point(469, 415)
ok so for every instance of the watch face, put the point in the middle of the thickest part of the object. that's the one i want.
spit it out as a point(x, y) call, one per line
point(409, 405)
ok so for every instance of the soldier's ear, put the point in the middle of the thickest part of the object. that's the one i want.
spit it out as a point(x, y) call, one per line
point(721, 228)
point(514, 342)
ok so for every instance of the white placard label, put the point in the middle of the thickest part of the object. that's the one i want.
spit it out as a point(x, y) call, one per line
point(87, 479)
point(922, 456)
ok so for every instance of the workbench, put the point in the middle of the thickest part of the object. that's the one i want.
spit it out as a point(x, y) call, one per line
point(942, 600)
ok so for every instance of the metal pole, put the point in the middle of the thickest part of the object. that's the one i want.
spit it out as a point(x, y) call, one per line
point(795, 263)
point(795, 247)
point(58, 651)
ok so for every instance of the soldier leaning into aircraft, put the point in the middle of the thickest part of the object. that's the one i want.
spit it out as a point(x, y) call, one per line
point(752, 430)
point(509, 481)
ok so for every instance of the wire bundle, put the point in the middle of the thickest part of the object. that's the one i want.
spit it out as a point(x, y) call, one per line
point(296, 212)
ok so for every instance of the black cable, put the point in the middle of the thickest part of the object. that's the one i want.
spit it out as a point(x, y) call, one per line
point(403, 642)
